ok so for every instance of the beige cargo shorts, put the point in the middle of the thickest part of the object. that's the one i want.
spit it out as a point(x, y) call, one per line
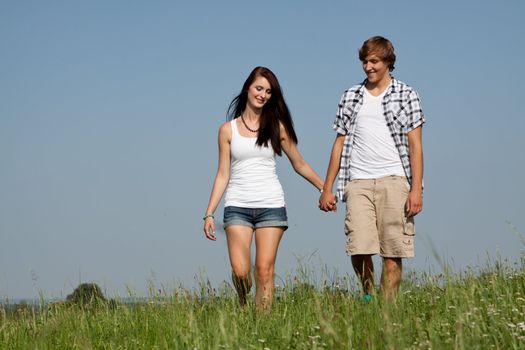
point(376, 221)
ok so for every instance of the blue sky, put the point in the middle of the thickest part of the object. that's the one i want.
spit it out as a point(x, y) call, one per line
point(110, 109)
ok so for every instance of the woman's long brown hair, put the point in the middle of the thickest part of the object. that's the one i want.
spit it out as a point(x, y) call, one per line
point(274, 111)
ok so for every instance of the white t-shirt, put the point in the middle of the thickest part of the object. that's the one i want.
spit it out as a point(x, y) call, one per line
point(253, 179)
point(374, 153)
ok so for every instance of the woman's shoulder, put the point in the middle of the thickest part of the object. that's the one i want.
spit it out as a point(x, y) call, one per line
point(226, 125)
point(226, 129)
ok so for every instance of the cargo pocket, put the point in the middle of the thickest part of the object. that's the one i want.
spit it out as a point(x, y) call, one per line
point(408, 229)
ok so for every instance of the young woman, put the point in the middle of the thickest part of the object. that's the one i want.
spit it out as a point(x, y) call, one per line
point(260, 127)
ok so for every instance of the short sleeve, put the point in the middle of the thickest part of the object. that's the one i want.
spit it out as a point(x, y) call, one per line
point(341, 118)
point(416, 117)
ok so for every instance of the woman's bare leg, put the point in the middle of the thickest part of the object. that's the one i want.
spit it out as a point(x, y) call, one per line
point(239, 243)
point(266, 242)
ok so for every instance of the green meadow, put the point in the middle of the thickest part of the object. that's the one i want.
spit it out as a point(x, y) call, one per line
point(472, 309)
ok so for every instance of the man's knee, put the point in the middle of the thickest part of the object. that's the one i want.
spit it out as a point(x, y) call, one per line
point(362, 261)
point(393, 263)
point(392, 268)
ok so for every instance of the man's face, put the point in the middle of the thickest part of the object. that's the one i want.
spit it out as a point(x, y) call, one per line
point(376, 70)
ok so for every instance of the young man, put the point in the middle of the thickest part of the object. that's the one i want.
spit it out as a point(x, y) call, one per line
point(378, 155)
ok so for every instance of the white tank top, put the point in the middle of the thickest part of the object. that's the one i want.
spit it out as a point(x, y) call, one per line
point(253, 180)
point(374, 153)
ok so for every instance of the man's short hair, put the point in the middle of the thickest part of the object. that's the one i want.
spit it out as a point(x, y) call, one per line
point(381, 47)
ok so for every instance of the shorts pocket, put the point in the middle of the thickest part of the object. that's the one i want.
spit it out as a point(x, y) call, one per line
point(408, 231)
point(408, 226)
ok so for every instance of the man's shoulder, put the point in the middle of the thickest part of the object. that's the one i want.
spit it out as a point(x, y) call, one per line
point(352, 92)
point(402, 87)
point(406, 95)
point(355, 88)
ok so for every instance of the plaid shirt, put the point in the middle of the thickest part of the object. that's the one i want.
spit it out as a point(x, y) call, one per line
point(402, 112)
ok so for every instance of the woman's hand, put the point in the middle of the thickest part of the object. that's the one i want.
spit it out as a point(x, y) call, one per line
point(209, 228)
point(328, 202)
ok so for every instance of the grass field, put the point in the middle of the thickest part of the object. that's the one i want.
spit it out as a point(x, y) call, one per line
point(482, 309)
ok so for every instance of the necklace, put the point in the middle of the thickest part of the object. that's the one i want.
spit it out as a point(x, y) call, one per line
point(246, 125)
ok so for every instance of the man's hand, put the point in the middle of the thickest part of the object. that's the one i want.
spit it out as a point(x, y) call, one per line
point(327, 201)
point(414, 203)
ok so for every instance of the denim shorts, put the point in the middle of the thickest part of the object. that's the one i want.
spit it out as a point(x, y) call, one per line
point(255, 217)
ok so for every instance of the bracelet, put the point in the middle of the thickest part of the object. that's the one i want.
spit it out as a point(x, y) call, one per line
point(208, 216)
point(321, 190)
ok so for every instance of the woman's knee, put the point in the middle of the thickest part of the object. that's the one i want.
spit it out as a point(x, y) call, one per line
point(240, 272)
point(240, 267)
point(264, 271)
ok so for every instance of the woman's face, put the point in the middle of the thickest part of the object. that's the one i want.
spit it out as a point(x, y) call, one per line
point(259, 93)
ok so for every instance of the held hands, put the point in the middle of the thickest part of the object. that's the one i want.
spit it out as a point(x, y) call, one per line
point(209, 228)
point(327, 201)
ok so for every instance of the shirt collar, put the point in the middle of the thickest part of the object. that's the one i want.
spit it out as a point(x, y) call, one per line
point(390, 89)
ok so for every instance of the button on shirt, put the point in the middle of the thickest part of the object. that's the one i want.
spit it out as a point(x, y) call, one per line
point(402, 111)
